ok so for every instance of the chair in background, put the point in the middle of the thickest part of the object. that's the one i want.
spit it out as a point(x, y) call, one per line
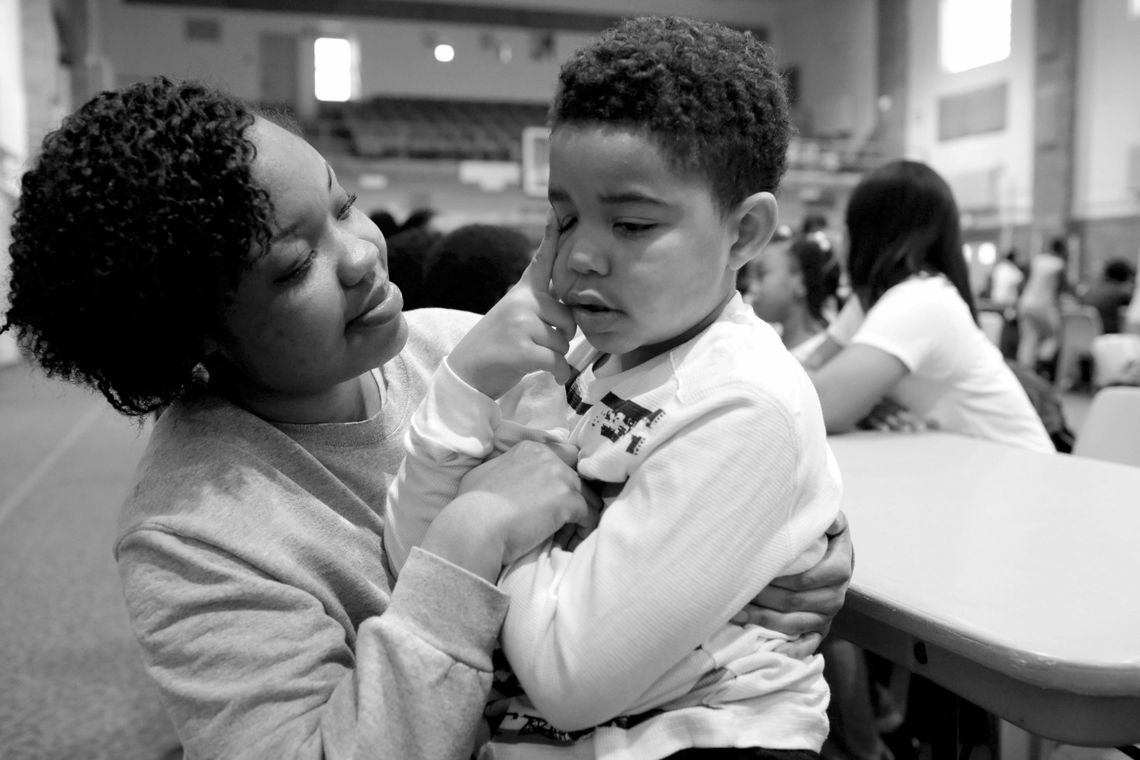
point(1080, 325)
point(1111, 428)
point(1116, 360)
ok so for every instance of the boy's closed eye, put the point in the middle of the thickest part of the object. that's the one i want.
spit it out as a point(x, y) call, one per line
point(634, 228)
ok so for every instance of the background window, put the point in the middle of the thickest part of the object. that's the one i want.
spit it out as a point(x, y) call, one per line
point(973, 33)
point(332, 60)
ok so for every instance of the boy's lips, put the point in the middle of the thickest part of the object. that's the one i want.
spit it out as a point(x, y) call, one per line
point(586, 300)
point(383, 305)
point(591, 313)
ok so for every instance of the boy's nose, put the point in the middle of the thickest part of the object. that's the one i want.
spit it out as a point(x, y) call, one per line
point(586, 256)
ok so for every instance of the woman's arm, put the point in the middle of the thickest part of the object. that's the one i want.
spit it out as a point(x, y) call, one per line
point(251, 667)
point(839, 334)
point(802, 606)
point(308, 658)
point(852, 383)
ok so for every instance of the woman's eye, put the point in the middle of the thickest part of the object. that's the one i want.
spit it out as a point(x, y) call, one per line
point(297, 272)
point(346, 209)
point(566, 223)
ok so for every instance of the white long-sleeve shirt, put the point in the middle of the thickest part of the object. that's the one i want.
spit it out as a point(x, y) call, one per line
point(723, 478)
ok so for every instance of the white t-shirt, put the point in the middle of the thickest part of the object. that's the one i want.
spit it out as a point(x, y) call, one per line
point(804, 349)
point(957, 378)
point(1041, 289)
point(1005, 282)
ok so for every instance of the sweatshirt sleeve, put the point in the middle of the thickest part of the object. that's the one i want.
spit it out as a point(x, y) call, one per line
point(695, 533)
point(250, 667)
point(451, 432)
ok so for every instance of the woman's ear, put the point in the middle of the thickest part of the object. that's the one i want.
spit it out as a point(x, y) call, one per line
point(210, 345)
point(755, 221)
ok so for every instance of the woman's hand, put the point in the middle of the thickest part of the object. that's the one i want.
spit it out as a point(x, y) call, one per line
point(803, 606)
point(510, 504)
point(527, 330)
point(889, 415)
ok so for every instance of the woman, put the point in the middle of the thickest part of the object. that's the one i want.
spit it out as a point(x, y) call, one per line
point(1039, 307)
point(919, 344)
point(178, 252)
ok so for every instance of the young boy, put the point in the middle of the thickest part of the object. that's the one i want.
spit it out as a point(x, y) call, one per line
point(702, 434)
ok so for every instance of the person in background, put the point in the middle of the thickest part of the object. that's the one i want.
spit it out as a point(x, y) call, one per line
point(1111, 294)
point(385, 222)
point(408, 251)
point(919, 343)
point(260, 314)
point(473, 266)
point(420, 217)
point(1039, 308)
point(700, 430)
point(1132, 313)
point(910, 336)
point(1004, 288)
point(794, 284)
point(813, 223)
point(1005, 281)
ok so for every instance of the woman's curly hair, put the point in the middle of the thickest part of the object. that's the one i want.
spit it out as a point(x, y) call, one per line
point(133, 228)
point(710, 97)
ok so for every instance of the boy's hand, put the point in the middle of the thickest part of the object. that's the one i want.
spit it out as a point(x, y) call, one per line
point(530, 493)
point(527, 330)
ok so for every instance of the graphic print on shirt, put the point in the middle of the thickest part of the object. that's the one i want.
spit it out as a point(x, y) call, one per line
point(611, 436)
point(618, 419)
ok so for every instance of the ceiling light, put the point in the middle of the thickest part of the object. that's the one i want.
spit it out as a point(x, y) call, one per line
point(444, 53)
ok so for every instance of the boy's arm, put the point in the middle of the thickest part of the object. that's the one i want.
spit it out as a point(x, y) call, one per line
point(695, 534)
point(451, 432)
point(453, 429)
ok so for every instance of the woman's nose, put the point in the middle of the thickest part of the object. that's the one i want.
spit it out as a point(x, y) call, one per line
point(359, 261)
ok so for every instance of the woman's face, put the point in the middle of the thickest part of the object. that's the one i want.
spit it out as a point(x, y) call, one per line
point(316, 311)
point(775, 286)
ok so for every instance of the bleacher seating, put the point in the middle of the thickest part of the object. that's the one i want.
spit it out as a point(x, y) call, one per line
point(392, 127)
point(424, 128)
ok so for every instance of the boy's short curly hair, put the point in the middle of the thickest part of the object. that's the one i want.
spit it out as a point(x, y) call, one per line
point(710, 97)
point(132, 230)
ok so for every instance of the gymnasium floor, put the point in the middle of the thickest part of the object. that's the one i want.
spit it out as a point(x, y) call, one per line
point(71, 684)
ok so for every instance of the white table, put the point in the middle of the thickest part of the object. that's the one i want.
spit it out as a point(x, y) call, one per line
point(1009, 578)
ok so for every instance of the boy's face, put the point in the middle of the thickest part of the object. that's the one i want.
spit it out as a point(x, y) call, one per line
point(644, 255)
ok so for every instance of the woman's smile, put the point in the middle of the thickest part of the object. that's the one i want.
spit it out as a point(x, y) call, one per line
point(383, 306)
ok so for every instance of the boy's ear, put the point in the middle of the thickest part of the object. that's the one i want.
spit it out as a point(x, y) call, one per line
point(755, 220)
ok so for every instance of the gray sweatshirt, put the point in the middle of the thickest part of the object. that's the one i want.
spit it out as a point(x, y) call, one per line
point(254, 575)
